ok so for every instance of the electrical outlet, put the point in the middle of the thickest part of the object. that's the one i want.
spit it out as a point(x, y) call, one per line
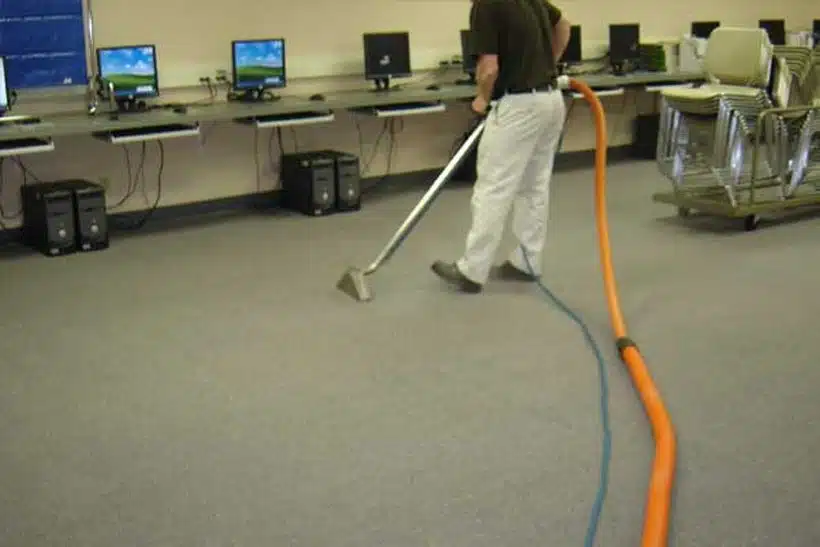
point(221, 75)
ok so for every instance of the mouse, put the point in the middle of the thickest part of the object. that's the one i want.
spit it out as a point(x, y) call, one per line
point(317, 97)
point(433, 87)
point(181, 109)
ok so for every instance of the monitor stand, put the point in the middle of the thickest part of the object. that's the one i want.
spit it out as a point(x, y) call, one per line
point(254, 96)
point(382, 84)
point(469, 80)
point(130, 105)
point(619, 68)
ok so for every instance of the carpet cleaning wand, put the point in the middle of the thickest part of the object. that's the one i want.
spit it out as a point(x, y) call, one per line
point(354, 281)
point(659, 493)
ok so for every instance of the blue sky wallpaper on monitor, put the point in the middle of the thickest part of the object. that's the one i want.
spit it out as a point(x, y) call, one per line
point(259, 64)
point(131, 70)
point(269, 53)
point(136, 61)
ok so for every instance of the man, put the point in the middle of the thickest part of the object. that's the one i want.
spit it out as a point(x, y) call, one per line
point(517, 44)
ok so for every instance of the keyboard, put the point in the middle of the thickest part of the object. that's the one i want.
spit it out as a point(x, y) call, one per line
point(291, 116)
point(405, 106)
point(18, 120)
point(22, 146)
point(151, 130)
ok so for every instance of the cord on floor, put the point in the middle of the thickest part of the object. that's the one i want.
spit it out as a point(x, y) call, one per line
point(606, 437)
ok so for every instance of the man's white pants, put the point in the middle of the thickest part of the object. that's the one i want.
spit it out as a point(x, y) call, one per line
point(514, 166)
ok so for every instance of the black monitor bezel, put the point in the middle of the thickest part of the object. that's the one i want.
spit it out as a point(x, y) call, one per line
point(376, 77)
point(617, 26)
point(765, 23)
point(134, 95)
point(573, 31)
point(469, 63)
point(695, 24)
point(264, 87)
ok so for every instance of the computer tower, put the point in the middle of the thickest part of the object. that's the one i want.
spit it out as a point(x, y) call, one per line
point(347, 179)
point(48, 218)
point(90, 215)
point(467, 171)
point(645, 136)
point(308, 183)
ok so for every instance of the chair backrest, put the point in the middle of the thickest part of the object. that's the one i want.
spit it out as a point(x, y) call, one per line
point(739, 56)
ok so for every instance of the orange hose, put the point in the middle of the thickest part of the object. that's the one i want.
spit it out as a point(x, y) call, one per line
point(659, 493)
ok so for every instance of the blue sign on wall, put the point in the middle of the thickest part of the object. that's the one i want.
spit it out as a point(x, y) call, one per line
point(43, 42)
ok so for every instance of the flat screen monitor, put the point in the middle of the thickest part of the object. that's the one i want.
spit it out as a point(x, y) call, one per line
point(4, 90)
point(815, 29)
point(573, 52)
point(776, 29)
point(131, 69)
point(703, 29)
point(624, 43)
point(386, 56)
point(468, 56)
point(258, 64)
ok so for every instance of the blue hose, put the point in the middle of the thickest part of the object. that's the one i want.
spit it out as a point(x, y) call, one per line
point(606, 449)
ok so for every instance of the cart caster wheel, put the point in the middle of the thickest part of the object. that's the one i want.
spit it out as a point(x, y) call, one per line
point(751, 222)
point(684, 212)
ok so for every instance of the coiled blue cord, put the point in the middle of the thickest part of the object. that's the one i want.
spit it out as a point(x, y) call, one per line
point(606, 449)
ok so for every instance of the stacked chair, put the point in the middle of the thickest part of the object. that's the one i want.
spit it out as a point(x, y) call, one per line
point(704, 135)
point(804, 164)
point(800, 61)
point(814, 76)
point(803, 131)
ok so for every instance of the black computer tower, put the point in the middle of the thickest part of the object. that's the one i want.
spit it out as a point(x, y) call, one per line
point(308, 183)
point(347, 178)
point(645, 136)
point(48, 218)
point(90, 215)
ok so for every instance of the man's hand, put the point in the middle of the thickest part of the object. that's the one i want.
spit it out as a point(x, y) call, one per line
point(480, 106)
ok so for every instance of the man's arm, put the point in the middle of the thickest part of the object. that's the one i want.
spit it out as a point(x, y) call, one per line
point(560, 31)
point(485, 37)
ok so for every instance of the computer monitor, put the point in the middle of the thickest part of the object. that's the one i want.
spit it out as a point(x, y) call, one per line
point(468, 56)
point(624, 45)
point(815, 30)
point(572, 55)
point(703, 29)
point(258, 65)
point(129, 71)
point(776, 29)
point(386, 56)
point(4, 90)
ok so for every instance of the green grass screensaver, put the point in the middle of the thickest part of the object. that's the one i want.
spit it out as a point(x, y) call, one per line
point(259, 61)
point(129, 69)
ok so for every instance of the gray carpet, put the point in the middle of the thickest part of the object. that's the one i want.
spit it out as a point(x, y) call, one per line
point(208, 386)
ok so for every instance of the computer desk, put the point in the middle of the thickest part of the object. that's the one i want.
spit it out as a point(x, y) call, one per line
point(25, 138)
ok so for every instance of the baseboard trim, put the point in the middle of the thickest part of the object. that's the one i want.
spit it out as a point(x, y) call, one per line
point(186, 213)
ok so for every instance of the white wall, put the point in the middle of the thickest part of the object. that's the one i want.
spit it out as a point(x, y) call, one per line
point(324, 39)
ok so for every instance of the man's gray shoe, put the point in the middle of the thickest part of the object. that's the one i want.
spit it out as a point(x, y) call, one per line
point(450, 273)
point(508, 272)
